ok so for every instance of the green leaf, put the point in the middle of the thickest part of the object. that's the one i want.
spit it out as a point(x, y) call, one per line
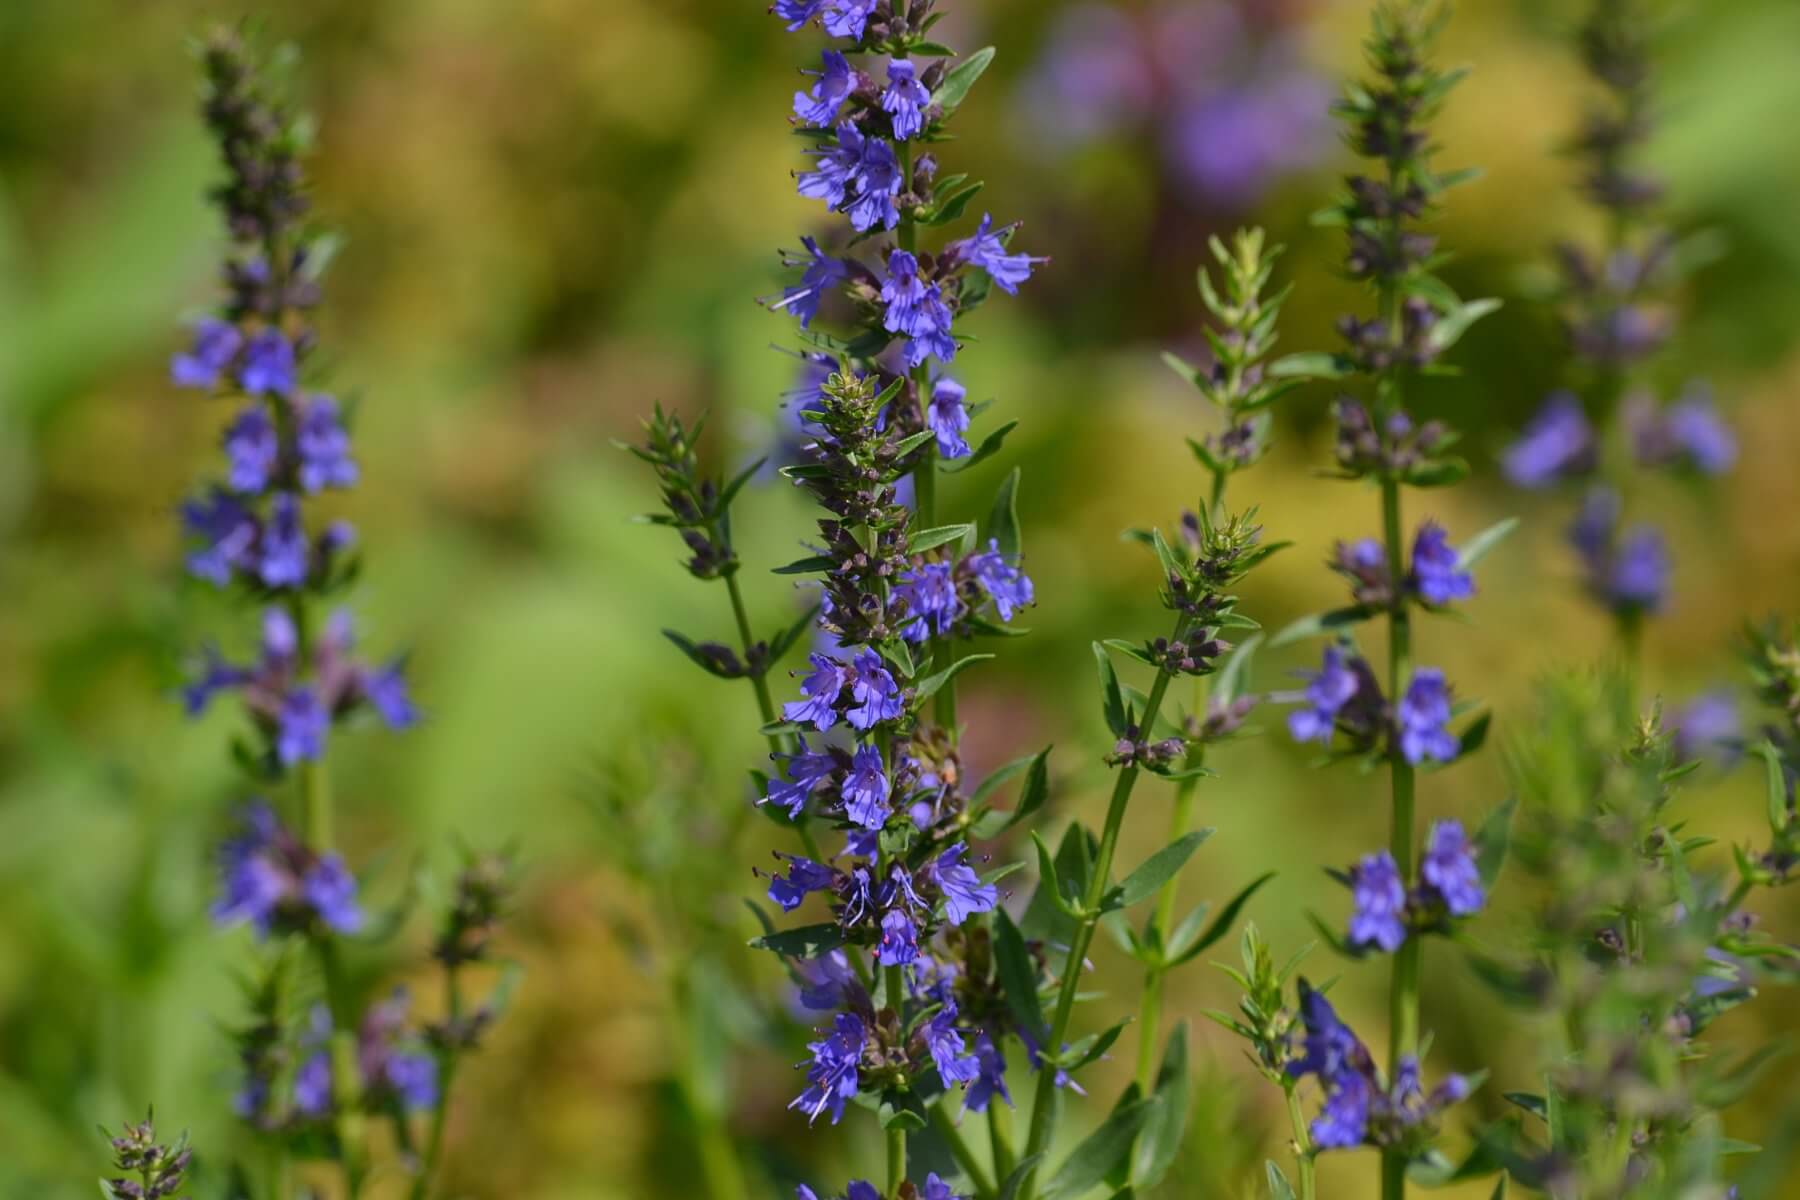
point(807, 941)
point(1279, 1187)
point(911, 442)
point(1003, 518)
point(1159, 1143)
point(697, 656)
point(1221, 924)
point(1183, 367)
point(1725, 1088)
point(1228, 682)
point(1321, 623)
point(1112, 698)
point(1031, 797)
point(1311, 365)
point(950, 208)
point(1531, 1102)
point(1018, 976)
point(930, 539)
point(990, 446)
point(960, 78)
point(1090, 1048)
point(810, 565)
point(1093, 1160)
point(783, 641)
point(1047, 881)
point(1775, 783)
point(1477, 547)
point(1442, 472)
point(931, 683)
point(906, 1115)
point(1492, 838)
point(1474, 737)
point(1453, 324)
point(1009, 1187)
point(1154, 871)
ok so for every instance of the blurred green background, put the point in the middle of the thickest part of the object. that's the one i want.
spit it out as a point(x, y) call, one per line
point(559, 212)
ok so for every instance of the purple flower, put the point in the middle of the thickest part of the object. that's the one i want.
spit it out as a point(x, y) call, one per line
point(1696, 430)
point(990, 1078)
point(324, 447)
point(1379, 918)
point(929, 591)
point(1233, 142)
point(832, 1075)
point(266, 875)
point(1006, 585)
point(1327, 691)
point(312, 1085)
point(796, 12)
point(1344, 1119)
point(300, 727)
point(847, 18)
point(916, 309)
point(1638, 577)
point(1330, 1049)
point(873, 182)
point(905, 98)
point(268, 365)
point(937, 1189)
point(1557, 443)
point(1705, 726)
point(873, 689)
point(1449, 869)
point(820, 690)
point(822, 272)
point(866, 789)
point(283, 559)
point(835, 165)
point(387, 693)
point(805, 772)
point(252, 449)
point(804, 876)
point(826, 980)
point(986, 248)
point(835, 83)
point(1422, 715)
point(227, 531)
point(413, 1078)
point(1436, 571)
point(330, 891)
point(945, 1043)
point(948, 417)
point(216, 343)
point(216, 676)
point(964, 893)
point(899, 942)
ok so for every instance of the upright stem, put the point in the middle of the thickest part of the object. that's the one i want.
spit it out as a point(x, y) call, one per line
point(1000, 1137)
point(1302, 1144)
point(896, 1160)
point(447, 1059)
point(1042, 1118)
point(759, 679)
point(1403, 990)
point(1150, 1009)
point(961, 1151)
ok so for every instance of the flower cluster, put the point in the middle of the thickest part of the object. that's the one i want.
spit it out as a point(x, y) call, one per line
point(1615, 320)
point(273, 880)
point(1436, 578)
point(1387, 911)
point(869, 749)
point(859, 1189)
point(148, 1169)
point(1343, 696)
point(1361, 1108)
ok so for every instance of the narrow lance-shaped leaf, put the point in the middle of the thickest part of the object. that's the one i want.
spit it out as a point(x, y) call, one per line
point(1095, 1157)
point(1155, 871)
point(1003, 519)
point(1159, 1142)
point(960, 78)
point(1221, 924)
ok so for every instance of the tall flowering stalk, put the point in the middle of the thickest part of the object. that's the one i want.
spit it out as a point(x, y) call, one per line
point(870, 749)
point(1404, 722)
point(1609, 422)
point(257, 531)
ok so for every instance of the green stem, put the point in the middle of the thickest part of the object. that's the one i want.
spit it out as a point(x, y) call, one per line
point(1000, 1137)
point(1303, 1156)
point(896, 1160)
point(1150, 1009)
point(961, 1151)
point(1042, 1113)
point(759, 680)
point(345, 1094)
point(447, 1058)
point(1403, 990)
